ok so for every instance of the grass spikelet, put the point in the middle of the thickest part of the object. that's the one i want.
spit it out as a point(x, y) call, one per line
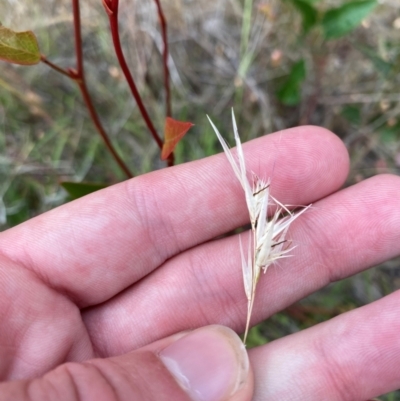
point(267, 239)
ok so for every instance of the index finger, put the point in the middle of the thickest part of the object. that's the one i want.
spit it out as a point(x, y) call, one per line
point(93, 248)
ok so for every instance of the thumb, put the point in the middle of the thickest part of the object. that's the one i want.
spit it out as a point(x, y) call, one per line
point(208, 364)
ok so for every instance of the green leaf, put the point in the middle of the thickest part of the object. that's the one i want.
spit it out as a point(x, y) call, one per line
point(18, 47)
point(290, 92)
point(308, 13)
point(382, 66)
point(78, 189)
point(255, 337)
point(352, 114)
point(390, 134)
point(338, 22)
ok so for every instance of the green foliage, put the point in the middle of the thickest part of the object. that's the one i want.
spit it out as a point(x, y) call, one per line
point(290, 92)
point(20, 196)
point(382, 66)
point(18, 47)
point(78, 189)
point(352, 114)
point(340, 21)
point(255, 337)
point(336, 22)
point(308, 12)
point(390, 133)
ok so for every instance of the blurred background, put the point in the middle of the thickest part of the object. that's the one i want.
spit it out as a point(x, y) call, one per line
point(279, 63)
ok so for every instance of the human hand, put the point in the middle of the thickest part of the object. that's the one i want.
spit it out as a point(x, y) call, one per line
point(128, 267)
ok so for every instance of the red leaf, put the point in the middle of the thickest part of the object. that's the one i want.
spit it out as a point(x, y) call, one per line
point(174, 131)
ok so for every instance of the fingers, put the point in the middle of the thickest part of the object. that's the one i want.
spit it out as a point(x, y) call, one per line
point(341, 235)
point(39, 327)
point(209, 364)
point(353, 357)
point(93, 248)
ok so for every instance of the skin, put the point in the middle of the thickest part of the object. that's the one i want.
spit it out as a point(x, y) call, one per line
point(131, 265)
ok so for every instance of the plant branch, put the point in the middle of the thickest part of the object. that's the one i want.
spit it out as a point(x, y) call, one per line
point(111, 7)
point(79, 76)
point(55, 67)
point(73, 74)
point(95, 118)
point(78, 38)
point(163, 23)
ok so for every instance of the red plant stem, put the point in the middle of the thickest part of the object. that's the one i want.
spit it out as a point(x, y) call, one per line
point(55, 67)
point(72, 74)
point(95, 118)
point(79, 76)
point(78, 38)
point(111, 7)
point(163, 23)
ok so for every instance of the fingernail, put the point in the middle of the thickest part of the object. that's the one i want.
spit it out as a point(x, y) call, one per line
point(210, 363)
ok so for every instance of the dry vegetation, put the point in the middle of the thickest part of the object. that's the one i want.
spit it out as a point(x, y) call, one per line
point(352, 88)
